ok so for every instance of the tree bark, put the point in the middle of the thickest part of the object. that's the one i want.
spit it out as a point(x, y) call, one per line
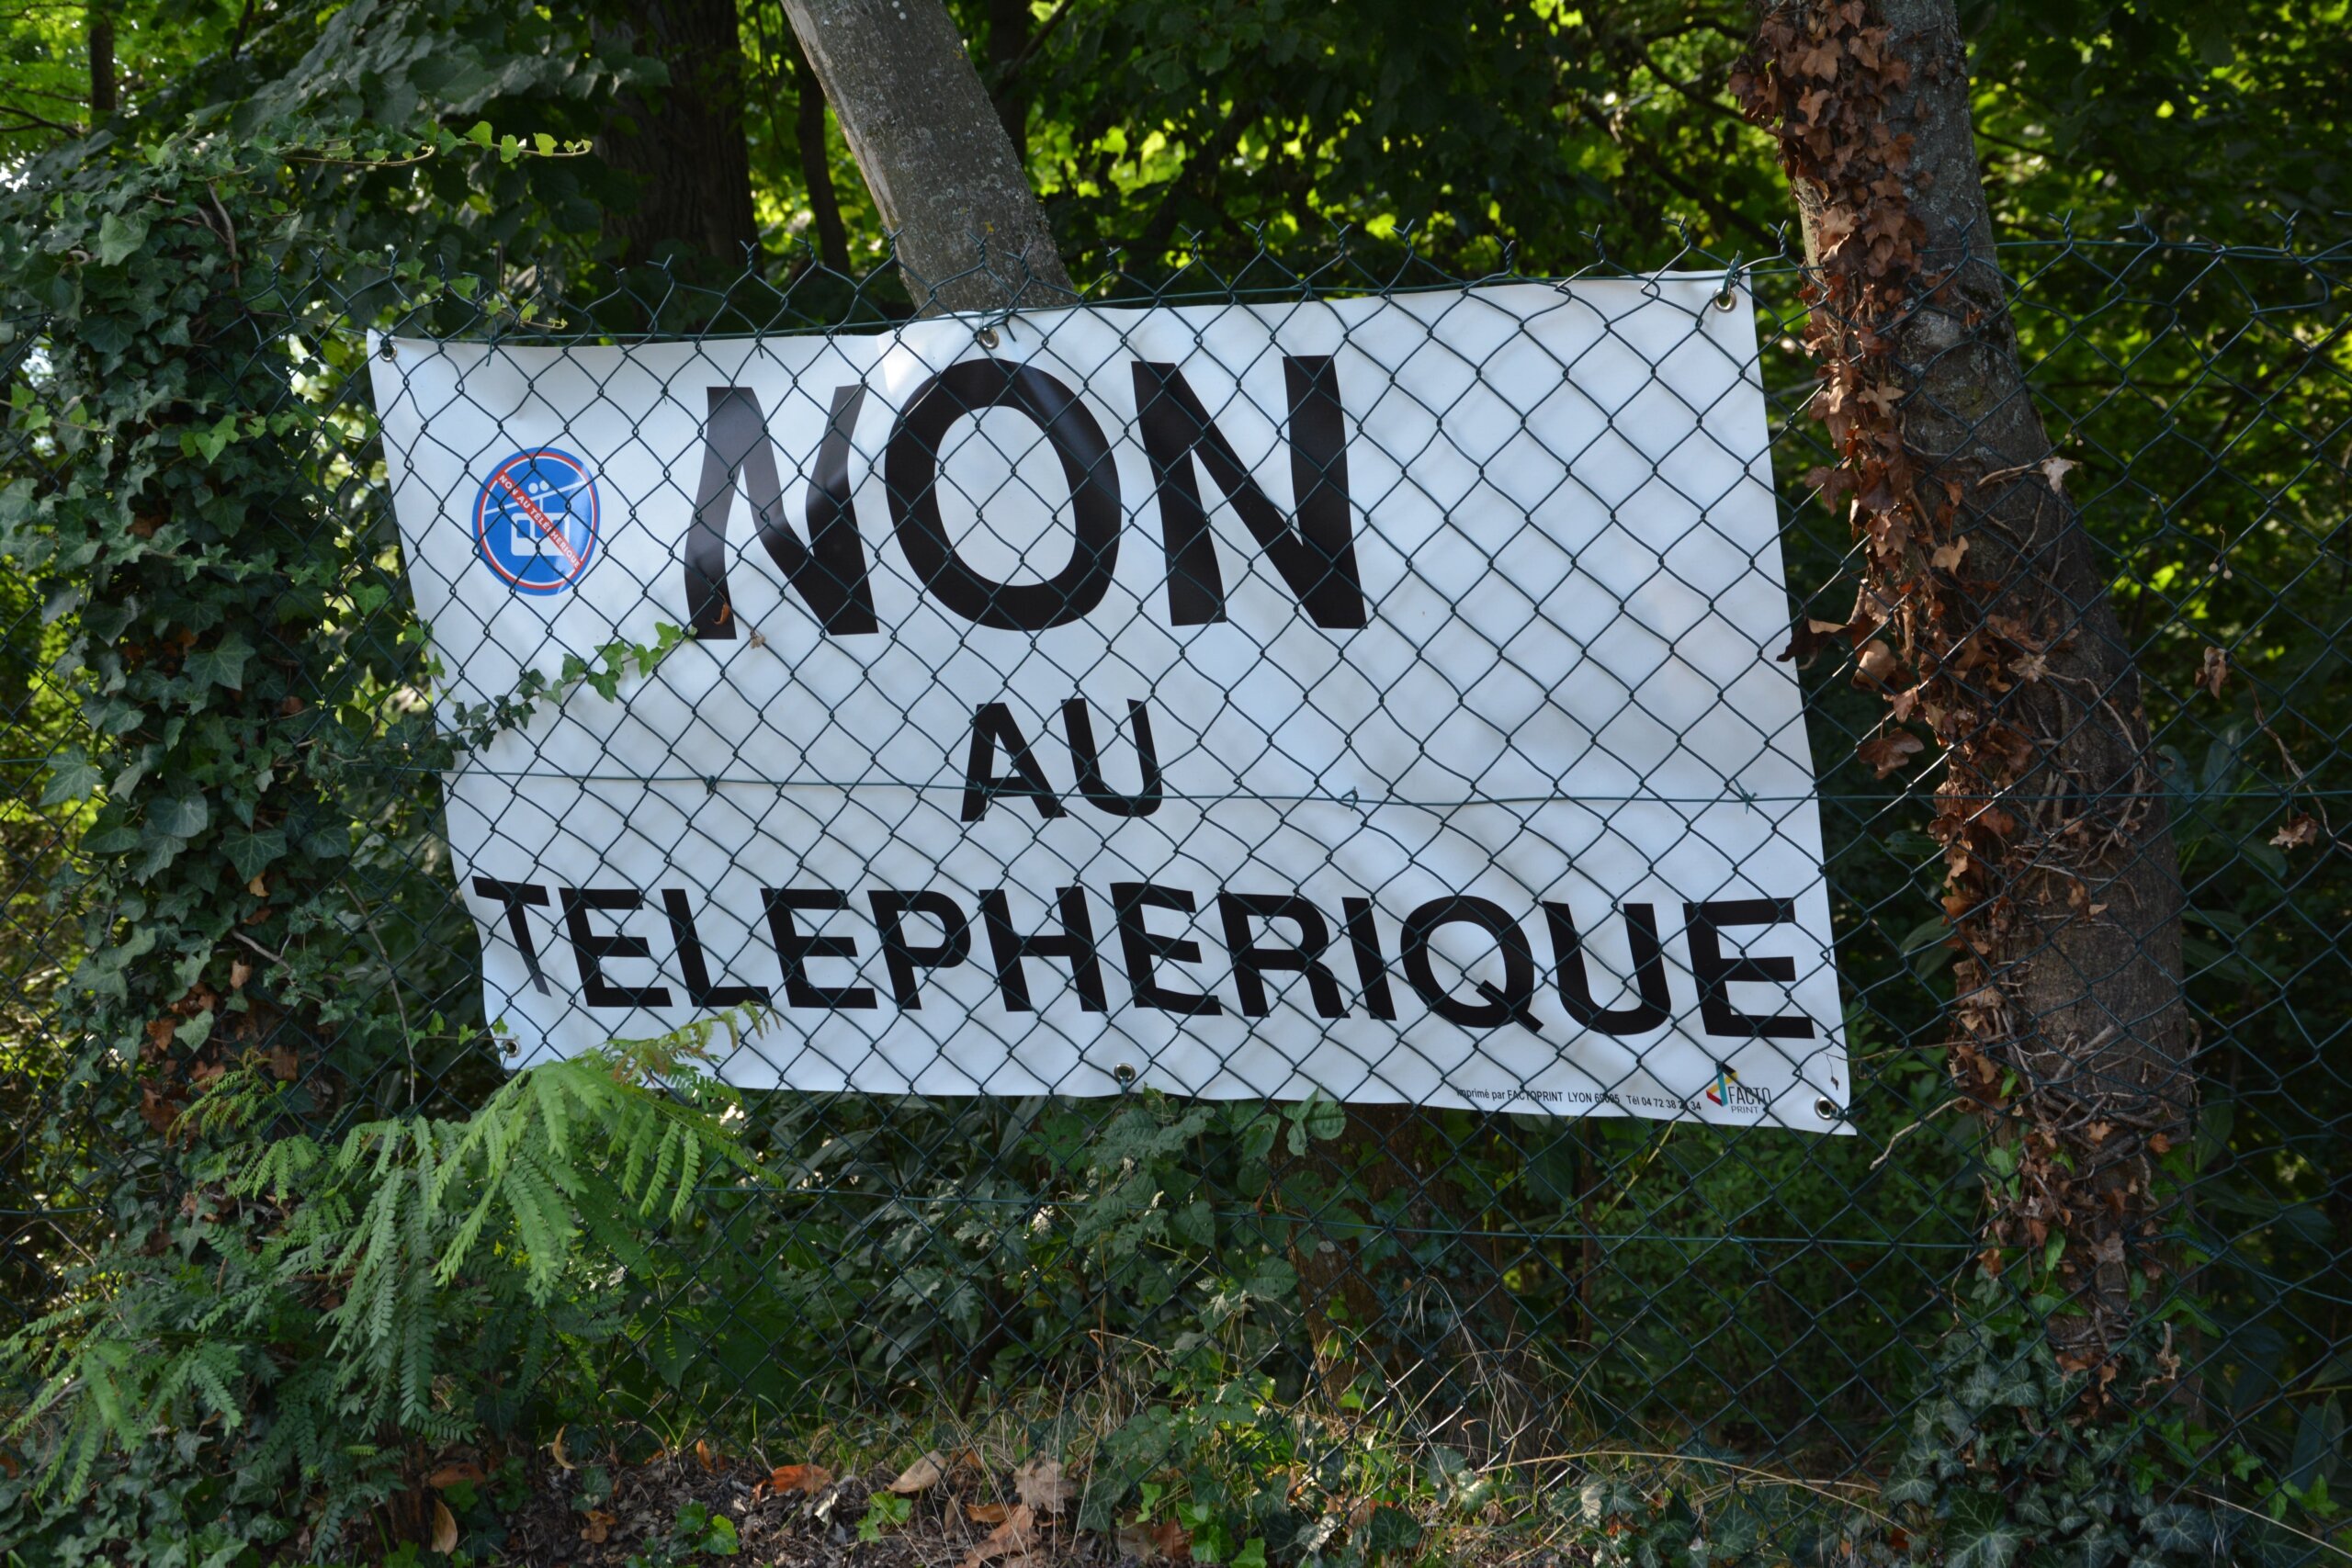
point(970, 235)
point(1009, 25)
point(100, 35)
point(1985, 615)
point(684, 143)
point(817, 167)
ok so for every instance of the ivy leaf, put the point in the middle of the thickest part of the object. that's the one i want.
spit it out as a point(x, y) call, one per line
point(72, 776)
point(180, 815)
point(1983, 1534)
point(208, 442)
point(1390, 1532)
point(118, 237)
point(221, 666)
point(253, 852)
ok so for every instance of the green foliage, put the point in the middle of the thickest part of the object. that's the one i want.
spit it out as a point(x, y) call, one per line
point(324, 1310)
point(477, 724)
point(698, 1531)
point(2013, 1463)
point(884, 1513)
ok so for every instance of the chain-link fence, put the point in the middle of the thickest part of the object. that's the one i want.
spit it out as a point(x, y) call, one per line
point(1090, 1257)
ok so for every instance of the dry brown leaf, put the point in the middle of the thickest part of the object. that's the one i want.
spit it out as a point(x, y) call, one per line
point(2055, 470)
point(2300, 831)
point(1172, 1541)
point(703, 1456)
point(444, 1527)
point(238, 973)
point(922, 1475)
point(985, 1513)
point(1947, 556)
point(1012, 1540)
point(1040, 1485)
point(555, 1451)
point(448, 1475)
point(258, 888)
point(1887, 752)
point(599, 1526)
point(2214, 670)
point(809, 1478)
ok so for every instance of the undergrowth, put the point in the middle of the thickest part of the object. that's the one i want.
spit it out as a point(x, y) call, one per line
point(319, 1316)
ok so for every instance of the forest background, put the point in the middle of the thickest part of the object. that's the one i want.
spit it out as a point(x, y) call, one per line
point(178, 171)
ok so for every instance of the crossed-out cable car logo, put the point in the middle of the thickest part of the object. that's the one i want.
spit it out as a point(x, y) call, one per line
point(535, 520)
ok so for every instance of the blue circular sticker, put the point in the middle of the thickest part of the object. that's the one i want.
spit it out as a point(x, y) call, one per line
point(535, 522)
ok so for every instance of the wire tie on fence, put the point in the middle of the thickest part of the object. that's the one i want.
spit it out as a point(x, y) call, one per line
point(994, 329)
point(1729, 296)
point(710, 783)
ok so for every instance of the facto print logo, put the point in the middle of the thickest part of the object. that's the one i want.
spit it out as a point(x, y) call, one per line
point(535, 520)
point(1728, 1091)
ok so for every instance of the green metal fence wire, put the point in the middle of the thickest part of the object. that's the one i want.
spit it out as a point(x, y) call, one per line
point(1497, 1285)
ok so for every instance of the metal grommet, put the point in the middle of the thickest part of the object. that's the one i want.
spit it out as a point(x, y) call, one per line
point(987, 337)
point(1827, 1109)
point(1126, 1072)
point(1727, 299)
point(390, 350)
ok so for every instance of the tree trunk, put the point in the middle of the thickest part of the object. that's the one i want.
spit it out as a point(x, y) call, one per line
point(817, 167)
point(969, 232)
point(684, 142)
point(935, 153)
point(1984, 617)
point(1010, 26)
point(101, 48)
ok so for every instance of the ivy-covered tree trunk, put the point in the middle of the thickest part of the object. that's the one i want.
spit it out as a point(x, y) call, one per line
point(1984, 618)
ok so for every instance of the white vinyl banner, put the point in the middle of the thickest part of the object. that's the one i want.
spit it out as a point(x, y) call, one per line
point(1375, 697)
